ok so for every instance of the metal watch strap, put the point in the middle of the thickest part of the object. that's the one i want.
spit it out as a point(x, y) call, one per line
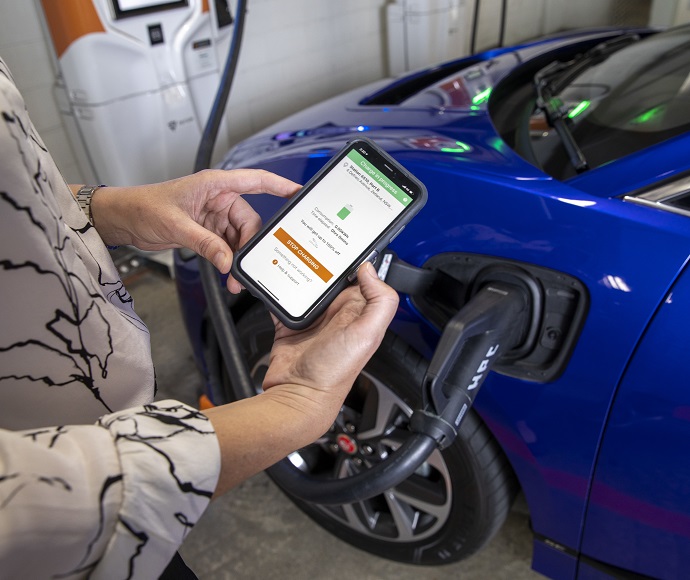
point(84, 196)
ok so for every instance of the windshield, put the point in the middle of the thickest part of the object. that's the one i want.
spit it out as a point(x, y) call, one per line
point(636, 97)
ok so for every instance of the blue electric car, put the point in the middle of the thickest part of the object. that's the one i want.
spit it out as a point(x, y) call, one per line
point(558, 172)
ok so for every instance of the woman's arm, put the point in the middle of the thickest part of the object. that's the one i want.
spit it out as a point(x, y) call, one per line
point(203, 212)
point(309, 376)
point(113, 500)
point(124, 493)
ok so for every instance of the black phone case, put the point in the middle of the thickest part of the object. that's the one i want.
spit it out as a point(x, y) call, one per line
point(377, 246)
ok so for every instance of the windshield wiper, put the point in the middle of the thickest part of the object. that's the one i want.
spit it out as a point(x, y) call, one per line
point(553, 78)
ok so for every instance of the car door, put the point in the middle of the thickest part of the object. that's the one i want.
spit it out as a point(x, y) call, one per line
point(638, 515)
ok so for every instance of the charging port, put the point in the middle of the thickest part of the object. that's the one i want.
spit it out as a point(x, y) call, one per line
point(559, 306)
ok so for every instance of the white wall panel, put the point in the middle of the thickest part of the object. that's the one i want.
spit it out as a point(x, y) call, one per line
point(26, 51)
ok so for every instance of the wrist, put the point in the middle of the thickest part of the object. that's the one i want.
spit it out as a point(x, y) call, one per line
point(84, 197)
point(311, 411)
point(271, 425)
point(108, 205)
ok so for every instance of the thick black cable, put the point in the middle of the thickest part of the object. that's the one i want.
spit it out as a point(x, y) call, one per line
point(475, 24)
point(400, 465)
point(502, 30)
point(215, 117)
point(221, 318)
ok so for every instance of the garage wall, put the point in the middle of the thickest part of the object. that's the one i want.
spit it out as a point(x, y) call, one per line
point(295, 53)
point(526, 19)
point(23, 46)
point(299, 52)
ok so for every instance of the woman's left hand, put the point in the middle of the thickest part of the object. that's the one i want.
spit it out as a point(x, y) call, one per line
point(203, 212)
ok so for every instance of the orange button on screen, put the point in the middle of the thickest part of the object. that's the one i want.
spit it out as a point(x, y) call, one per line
point(303, 255)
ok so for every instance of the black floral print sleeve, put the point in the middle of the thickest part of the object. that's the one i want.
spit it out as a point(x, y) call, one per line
point(108, 493)
point(113, 500)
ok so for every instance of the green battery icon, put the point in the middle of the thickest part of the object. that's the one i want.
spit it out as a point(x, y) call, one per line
point(343, 213)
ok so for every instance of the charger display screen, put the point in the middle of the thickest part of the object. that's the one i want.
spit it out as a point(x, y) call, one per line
point(126, 8)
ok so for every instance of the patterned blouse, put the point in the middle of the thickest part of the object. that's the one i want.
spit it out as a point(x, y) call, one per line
point(95, 479)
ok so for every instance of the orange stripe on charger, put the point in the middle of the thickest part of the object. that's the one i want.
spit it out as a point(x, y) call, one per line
point(205, 403)
point(204, 6)
point(69, 20)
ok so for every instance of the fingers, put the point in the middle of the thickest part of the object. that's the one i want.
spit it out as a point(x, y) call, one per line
point(250, 181)
point(233, 286)
point(272, 183)
point(206, 244)
point(243, 223)
point(228, 214)
point(240, 220)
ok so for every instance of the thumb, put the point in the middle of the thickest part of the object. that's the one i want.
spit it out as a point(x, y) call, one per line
point(382, 300)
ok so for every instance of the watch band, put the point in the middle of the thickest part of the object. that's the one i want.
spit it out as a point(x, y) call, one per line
point(84, 196)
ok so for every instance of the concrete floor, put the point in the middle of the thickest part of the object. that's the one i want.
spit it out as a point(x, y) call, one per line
point(255, 531)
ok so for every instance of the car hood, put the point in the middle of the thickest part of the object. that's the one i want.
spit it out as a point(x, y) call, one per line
point(439, 112)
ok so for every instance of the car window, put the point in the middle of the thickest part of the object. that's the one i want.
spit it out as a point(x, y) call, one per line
point(673, 196)
point(635, 98)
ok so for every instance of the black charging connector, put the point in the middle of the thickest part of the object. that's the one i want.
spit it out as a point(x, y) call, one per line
point(492, 322)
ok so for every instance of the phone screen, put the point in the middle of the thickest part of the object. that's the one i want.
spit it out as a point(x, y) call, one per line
point(330, 229)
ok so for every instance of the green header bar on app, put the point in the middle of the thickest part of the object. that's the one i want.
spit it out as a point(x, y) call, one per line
point(378, 178)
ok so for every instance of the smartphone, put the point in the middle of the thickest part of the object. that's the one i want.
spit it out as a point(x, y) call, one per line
point(345, 215)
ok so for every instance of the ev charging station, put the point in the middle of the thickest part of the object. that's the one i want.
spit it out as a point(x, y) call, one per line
point(137, 82)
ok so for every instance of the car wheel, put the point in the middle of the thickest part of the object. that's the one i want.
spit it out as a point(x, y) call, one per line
point(455, 502)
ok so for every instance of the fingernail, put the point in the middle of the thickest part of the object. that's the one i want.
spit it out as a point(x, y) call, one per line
point(219, 261)
point(369, 269)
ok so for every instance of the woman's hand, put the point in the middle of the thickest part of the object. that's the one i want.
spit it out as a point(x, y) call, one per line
point(309, 375)
point(312, 370)
point(203, 212)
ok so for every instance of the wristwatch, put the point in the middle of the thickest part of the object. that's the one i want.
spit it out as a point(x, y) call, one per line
point(84, 196)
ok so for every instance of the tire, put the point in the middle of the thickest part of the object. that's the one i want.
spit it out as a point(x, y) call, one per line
point(453, 505)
